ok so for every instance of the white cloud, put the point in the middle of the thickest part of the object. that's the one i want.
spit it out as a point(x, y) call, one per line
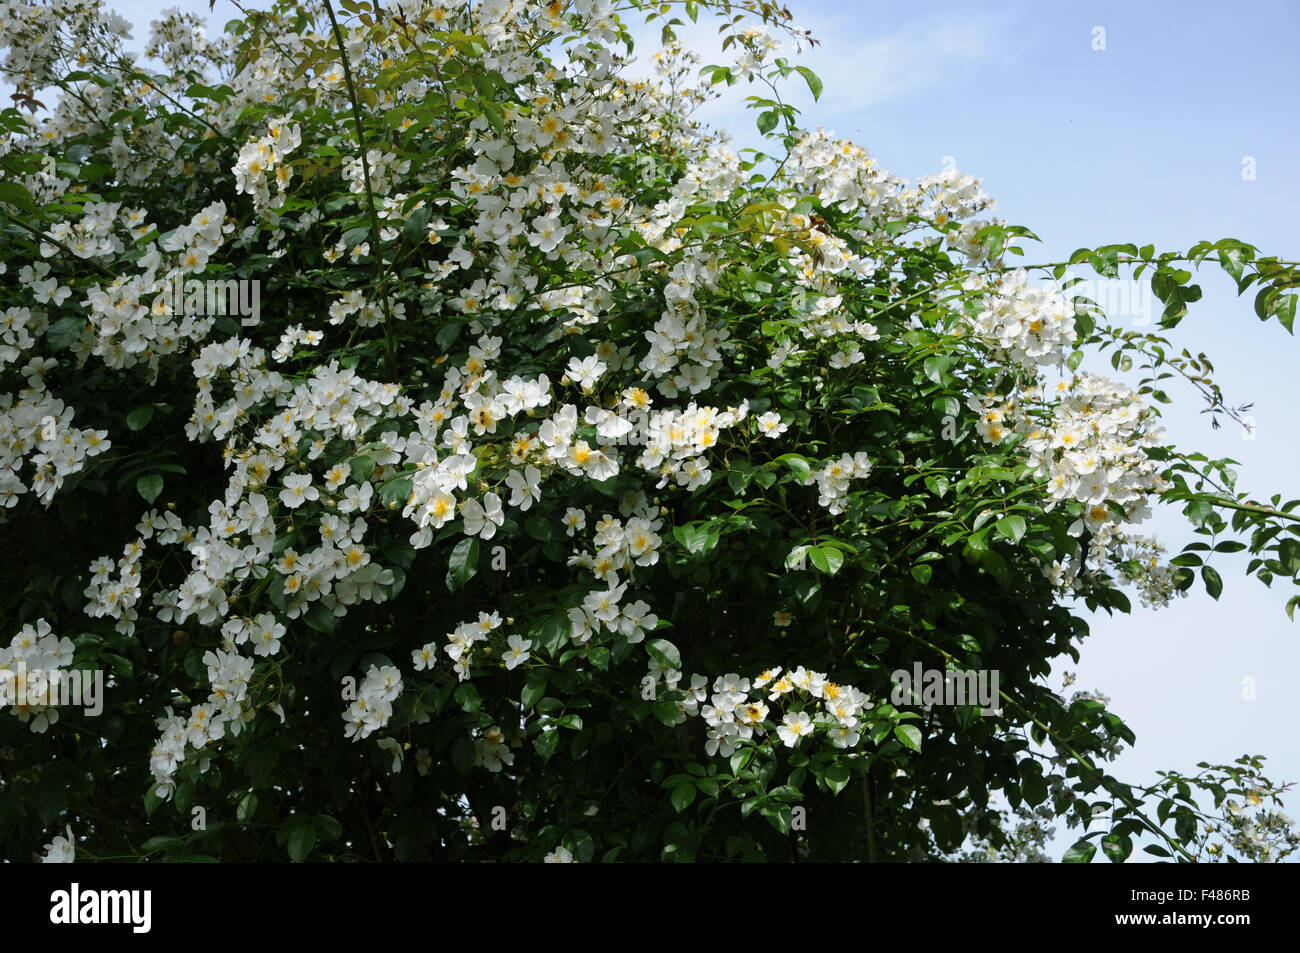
point(860, 73)
point(858, 70)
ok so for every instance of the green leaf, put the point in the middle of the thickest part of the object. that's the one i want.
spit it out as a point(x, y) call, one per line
point(448, 333)
point(467, 697)
point(1233, 261)
point(836, 777)
point(362, 468)
point(995, 566)
point(463, 564)
point(400, 552)
point(1199, 512)
point(935, 366)
point(1117, 847)
point(149, 486)
point(1011, 527)
point(151, 801)
point(199, 91)
point(697, 539)
point(63, 332)
point(138, 418)
point(159, 842)
point(247, 807)
point(321, 618)
point(1032, 785)
point(1081, 853)
point(121, 664)
point(1184, 824)
point(355, 236)
point(682, 796)
point(767, 121)
point(1288, 554)
point(938, 485)
point(780, 818)
point(814, 81)
point(665, 653)
point(1284, 307)
point(667, 712)
point(827, 559)
point(1105, 264)
point(394, 493)
point(546, 744)
point(329, 828)
point(795, 560)
point(16, 194)
point(533, 691)
point(922, 573)
point(797, 464)
point(301, 841)
point(909, 735)
point(416, 228)
point(1213, 582)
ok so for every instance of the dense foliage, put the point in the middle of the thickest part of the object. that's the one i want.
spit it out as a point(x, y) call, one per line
point(534, 476)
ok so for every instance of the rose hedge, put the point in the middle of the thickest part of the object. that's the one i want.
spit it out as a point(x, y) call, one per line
point(449, 449)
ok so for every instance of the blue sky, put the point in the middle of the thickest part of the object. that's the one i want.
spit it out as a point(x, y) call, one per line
point(1142, 141)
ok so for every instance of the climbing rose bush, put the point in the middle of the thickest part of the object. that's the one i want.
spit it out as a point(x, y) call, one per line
point(448, 448)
